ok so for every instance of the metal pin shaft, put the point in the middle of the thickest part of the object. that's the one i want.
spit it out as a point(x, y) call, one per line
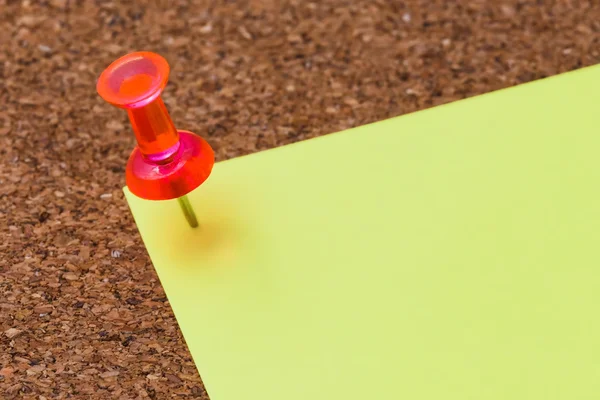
point(188, 211)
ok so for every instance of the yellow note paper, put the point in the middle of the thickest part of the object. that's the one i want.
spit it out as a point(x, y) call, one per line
point(452, 254)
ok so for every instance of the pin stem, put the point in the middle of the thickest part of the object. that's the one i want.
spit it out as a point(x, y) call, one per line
point(188, 211)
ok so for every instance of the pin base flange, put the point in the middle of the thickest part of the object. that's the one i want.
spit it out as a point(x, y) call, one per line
point(182, 172)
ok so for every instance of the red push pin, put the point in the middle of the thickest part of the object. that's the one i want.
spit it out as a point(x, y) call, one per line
point(167, 163)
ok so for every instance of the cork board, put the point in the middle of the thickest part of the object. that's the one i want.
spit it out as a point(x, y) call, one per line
point(82, 314)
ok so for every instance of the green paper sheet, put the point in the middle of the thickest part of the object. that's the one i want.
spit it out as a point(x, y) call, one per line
point(451, 254)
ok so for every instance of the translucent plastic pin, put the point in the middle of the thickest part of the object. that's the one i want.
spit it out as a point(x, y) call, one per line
point(167, 163)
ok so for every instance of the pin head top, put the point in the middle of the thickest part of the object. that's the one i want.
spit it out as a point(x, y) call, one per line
point(134, 79)
point(166, 163)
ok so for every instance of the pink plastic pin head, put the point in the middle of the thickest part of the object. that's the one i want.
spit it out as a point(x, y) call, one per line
point(167, 163)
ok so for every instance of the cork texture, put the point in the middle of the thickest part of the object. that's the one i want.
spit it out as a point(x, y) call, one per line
point(82, 313)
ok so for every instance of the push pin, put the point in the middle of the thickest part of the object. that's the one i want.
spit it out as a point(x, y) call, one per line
point(167, 163)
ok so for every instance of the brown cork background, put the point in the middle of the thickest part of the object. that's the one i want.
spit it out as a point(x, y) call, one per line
point(82, 313)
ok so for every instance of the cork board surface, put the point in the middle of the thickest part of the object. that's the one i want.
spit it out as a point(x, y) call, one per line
point(82, 314)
